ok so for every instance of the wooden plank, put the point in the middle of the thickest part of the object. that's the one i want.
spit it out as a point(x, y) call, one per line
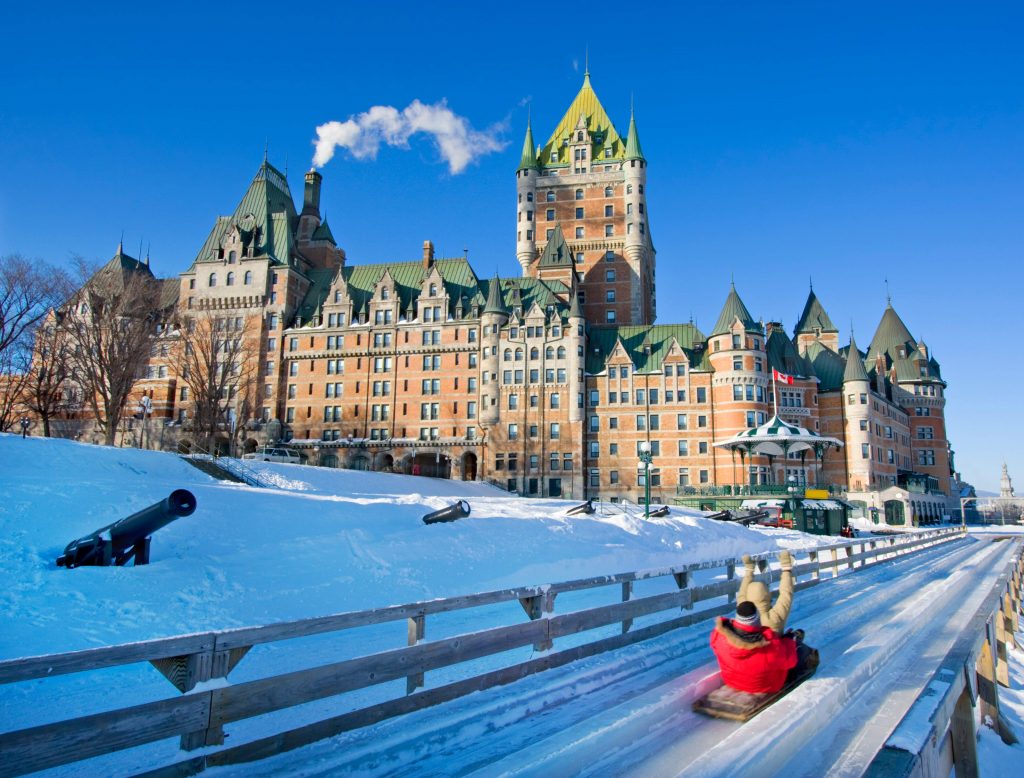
point(601, 616)
point(29, 667)
point(283, 691)
point(417, 630)
point(50, 745)
point(627, 595)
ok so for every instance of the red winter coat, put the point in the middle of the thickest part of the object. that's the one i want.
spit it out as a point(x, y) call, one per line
point(752, 659)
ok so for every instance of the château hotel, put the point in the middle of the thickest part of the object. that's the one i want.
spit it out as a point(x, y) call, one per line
point(547, 383)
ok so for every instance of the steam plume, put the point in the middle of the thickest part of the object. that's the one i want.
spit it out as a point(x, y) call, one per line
point(458, 143)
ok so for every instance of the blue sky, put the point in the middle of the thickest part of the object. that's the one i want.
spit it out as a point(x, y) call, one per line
point(851, 143)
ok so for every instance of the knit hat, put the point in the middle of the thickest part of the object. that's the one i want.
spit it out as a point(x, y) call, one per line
point(747, 615)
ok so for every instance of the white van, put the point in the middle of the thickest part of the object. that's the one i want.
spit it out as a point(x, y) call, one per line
point(269, 454)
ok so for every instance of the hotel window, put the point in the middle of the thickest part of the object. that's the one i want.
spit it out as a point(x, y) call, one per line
point(555, 401)
point(683, 447)
point(702, 394)
point(641, 423)
point(609, 230)
point(609, 275)
point(737, 392)
point(863, 399)
point(579, 194)
point(579, 232)
point(595, 423)
point(609, 296)
point(681, 422)
point(579, 213)
point(550, 197)
point(609, 316)
point(555, 431)
point(513, 432)
point(550, 214)
point(608, 191)
point(702, 422)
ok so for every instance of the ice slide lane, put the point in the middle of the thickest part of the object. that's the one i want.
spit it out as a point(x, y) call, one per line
point(656, 734)
point(627, 711)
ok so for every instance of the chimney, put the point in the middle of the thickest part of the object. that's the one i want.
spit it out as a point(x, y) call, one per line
point(774, 326)
point(311, 197)
point(428, 254)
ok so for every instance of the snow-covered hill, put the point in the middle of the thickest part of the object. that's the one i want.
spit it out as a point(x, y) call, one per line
point(323, 541)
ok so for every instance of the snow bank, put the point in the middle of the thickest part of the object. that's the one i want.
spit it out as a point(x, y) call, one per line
point(322, 541)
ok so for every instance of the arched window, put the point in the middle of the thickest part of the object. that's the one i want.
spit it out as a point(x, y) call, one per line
point(561, 352)
point(534, 353)
point(247, 278)
point(608, 191)
point(550, 197)
point(549, 352)
point(433, 290)
point(213, 279)
point(232, 257)
point(231, 279)
point(579, 194)
point(519, 355)
point(508, 355)
point(385, 293)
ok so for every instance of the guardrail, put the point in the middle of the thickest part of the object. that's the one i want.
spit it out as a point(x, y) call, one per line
point(939, 732)
point(199, 716)
point(234, 466)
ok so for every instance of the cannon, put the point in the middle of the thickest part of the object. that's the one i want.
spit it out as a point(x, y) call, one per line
point(454, 512)
point(584, 509)
point(658, 513)
point(128, 538)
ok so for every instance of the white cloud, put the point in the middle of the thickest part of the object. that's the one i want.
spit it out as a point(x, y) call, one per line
point(458, 143)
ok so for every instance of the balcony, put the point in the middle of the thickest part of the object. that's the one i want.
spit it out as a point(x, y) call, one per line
point(835, 490)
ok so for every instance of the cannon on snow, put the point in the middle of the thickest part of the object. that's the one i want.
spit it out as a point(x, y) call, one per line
point(455, 511)
point(658, 513)
point(583, 509)
point(128, 538)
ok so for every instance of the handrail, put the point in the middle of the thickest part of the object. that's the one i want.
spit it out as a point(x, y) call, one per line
point(199, 717)
point(231, 464)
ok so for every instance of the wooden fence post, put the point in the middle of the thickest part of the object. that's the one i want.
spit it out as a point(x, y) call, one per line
point(964, 737)
point(417, 628)
point(849, 556)
point(536, 607)
point(812, 557)
point(730, 574)
point(682, 582)
point(186, 672)
point(835, 563)
point(988, 691)
point(627, 593)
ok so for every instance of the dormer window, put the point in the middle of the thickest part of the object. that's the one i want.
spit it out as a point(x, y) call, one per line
point(385, 293)
point(337, 295)
point(608, 153)
point(232, 257)
point(433, 290)
point(579, 136)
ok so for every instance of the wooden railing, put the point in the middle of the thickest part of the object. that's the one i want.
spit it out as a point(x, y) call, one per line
point(939, 732)
point(200, 715)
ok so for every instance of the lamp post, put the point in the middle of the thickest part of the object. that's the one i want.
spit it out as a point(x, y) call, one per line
point(645, 465)
point(792, 488)
point(145, 408)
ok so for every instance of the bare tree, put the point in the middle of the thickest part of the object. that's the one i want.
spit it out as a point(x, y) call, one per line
point(48, 390)
point(28, 291)
point(111, 321)
point(218, 364)
point(14, 367)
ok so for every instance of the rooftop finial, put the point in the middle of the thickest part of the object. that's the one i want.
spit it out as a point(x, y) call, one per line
point(888, 294)
point(120, 244)
point(810, 280)
point(266, 149)
point(586, 61)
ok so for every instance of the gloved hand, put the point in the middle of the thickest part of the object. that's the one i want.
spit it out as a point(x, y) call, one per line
point(786, 561)
point(796, 634)
point(748, 562)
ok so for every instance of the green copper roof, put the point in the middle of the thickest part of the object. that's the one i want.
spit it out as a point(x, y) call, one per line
point(855, 370)
point(732, 310)
point(265, 215)
point(633, 150)
point(600, 127)
point(495, 304)
point(575, 312)
point(323, 232)
point(556, 253)
point(602, 339)
point(528, 160)
point(783, 356)
point(891, 336)
point(814, 317)
point(828, 366)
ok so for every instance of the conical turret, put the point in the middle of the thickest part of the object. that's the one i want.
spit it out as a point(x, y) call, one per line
point(633, 150)
point(732, 310)
point(494, 302)
point(855, 370)
point(528, 160)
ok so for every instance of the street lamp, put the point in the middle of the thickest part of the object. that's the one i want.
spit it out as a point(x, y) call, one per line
point(645, 465)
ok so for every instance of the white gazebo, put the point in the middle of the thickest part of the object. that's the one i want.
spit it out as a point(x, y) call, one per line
point(779, 438)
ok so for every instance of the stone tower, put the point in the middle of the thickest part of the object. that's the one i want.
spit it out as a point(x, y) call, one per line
point(1005, 485)
point(589, 182)
point(857, 418)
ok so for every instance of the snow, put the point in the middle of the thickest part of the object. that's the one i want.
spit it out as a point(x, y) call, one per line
point(995, 757)
point(324, 541)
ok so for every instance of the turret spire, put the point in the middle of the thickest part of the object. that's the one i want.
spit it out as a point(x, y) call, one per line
point(528, 160)
point(854, 364)
point(633, 150)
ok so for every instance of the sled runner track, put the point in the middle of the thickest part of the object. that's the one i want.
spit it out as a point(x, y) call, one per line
point(625, 712)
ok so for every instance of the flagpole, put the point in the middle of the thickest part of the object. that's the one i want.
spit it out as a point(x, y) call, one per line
point(775, 395)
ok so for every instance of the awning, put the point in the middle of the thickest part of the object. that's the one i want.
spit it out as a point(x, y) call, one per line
point(762, 504)
point(822, 505)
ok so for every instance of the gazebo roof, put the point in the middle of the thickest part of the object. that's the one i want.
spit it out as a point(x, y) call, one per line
point(776, 438)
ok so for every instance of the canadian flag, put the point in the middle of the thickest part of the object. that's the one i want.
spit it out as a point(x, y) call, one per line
point(782, 377)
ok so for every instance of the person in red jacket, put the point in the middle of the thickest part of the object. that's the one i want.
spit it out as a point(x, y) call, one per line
point(752, 658)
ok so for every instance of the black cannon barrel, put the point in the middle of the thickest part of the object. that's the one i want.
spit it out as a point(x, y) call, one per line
point(585, 508)
point(116, 543)
point(659, 512)
point(454, 512)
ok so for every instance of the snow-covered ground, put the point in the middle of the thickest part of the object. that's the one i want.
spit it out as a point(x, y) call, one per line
point(324, 541)
point(995, 757)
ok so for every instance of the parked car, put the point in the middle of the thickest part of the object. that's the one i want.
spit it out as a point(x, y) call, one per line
point(269, 454)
